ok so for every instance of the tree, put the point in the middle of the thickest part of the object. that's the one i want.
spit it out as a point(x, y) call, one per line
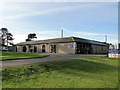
point(6, 37)
point(31, 36)
point(10, 38)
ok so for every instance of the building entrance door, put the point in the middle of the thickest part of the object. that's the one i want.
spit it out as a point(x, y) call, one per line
point(43, 48)
point(35, 49)
point(53, 48)
point(16, 49)
point(24, 49)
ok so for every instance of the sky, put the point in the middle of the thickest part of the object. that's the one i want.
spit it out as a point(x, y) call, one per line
point(89, 20)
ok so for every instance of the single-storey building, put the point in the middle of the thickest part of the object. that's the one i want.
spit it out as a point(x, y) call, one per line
point(68, 45)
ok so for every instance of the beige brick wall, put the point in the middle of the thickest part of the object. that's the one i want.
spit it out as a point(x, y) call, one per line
point(19, 48)
point(39, 48)
point(60, 47)
point(66, 47)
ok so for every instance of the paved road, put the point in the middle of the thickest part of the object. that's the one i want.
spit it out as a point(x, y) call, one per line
point(52, 57)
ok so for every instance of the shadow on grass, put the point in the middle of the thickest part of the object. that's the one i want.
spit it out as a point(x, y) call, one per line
point(72, 67)
point(77, 65)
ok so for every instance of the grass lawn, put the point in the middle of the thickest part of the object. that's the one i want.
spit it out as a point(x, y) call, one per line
point(16, 55)
point(95, 72)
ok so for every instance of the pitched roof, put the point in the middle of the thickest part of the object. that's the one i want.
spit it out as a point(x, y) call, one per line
point(89, 41)
point(55, 40)
point(62, 40)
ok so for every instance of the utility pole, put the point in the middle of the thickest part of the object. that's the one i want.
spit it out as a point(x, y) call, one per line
point(61, 33)
point(106, 38)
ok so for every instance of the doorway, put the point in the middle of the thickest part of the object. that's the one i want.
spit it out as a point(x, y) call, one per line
point(24, 49)
point(30, 49)
point(53, 48)
point(35, 49)
point(15, 49)
point(43, 48)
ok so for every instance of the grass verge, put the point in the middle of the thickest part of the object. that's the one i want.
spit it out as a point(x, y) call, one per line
point(95, 72)
point(16, 55)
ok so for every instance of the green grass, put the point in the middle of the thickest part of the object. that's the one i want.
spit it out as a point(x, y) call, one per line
point(16, 55)
point(95, 72)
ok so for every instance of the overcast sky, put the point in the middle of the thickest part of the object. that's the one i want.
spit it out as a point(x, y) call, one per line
point(46, 19)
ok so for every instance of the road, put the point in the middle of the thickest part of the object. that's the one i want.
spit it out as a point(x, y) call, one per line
point(51, 58)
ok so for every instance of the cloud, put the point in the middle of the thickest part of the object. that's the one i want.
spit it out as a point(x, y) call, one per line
point(113, 41)
point(48, 34)
point(12, 7)
point(19, 38)
point(85, 33)
point(41, 35)
point(45, 12)
point(27, 11)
